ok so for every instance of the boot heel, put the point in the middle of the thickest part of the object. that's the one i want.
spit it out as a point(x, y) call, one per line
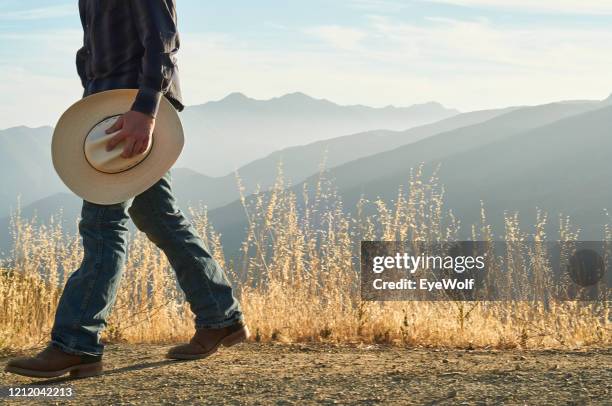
point(86, 370)
point(237, 337)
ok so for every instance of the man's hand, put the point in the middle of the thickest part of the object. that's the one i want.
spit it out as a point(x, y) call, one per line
point(136, 129)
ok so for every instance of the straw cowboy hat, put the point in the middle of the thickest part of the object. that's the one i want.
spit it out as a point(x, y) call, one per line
point(104, 177)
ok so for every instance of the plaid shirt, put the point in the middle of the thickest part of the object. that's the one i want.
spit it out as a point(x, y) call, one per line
point(130, 44)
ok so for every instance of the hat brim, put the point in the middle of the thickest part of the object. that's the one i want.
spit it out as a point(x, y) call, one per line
point(103, 188)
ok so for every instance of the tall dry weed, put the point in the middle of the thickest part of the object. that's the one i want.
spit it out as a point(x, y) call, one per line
point(297, 277)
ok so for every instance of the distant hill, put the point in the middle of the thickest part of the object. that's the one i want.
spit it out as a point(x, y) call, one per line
point(28, 150)
point(562, 167)
point(381, 174)
point(25, 161)
point(236, 122)
point(299, 162)
point(482, 156)
point(224, 135)
point(193, 188)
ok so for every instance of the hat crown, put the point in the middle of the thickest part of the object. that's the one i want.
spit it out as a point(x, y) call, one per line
point(108, 161)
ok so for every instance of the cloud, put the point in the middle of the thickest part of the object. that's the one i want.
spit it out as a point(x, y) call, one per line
point(547, 6)
point(344, 38)
point(480, 45)
point(463, 63)
point(467, 64)
point(40, 13)
point(444, 45)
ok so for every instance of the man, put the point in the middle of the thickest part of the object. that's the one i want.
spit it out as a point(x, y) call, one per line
point(133, 44)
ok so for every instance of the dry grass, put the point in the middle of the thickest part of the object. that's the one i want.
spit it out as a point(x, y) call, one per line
point(297, 279)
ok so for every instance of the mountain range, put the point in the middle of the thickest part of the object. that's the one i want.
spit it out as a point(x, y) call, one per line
point(224, 135)
point(236, 122)
point(476, 163)
point(25, 160)
point(551, 157)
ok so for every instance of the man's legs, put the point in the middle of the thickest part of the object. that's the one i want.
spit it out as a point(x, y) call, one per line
point(90, 292)
point(206, 287)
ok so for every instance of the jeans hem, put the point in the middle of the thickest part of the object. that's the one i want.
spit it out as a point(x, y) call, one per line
point(72, 351)
point(226, 323)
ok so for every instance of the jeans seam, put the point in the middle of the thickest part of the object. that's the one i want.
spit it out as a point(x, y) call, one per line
point(97, 263)
point(184, 246)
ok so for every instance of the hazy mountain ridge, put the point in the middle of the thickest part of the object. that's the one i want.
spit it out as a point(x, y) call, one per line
point(28, 150)
point(25, 160)
point(380, 175)
point(559, 168)
point(463, 145)
point(299, 162)
point(224, 135)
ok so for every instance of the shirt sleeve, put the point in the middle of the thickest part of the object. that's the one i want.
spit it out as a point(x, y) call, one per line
point(156, 26)
point(81, 61)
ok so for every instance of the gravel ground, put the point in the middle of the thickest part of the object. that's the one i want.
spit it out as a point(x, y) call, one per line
point(328, 374)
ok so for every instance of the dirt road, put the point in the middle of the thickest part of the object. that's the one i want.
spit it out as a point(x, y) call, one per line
point(325, 374)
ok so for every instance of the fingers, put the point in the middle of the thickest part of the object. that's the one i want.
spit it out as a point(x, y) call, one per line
point(142, 147)
point(137, 148)
point(117, 125)
point(128, 149)
point(112, 143)
point(132, 145)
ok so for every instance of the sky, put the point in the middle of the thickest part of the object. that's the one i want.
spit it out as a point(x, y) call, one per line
point(465, 54)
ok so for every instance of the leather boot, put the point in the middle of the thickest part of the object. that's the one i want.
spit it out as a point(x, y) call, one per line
point(53, 362)
point(206, 341)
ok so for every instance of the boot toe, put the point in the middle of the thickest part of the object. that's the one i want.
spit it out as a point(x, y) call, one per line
point(186, 351)
point(20, 362)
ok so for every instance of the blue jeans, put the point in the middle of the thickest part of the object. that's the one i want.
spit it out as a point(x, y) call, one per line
point(91, 290)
